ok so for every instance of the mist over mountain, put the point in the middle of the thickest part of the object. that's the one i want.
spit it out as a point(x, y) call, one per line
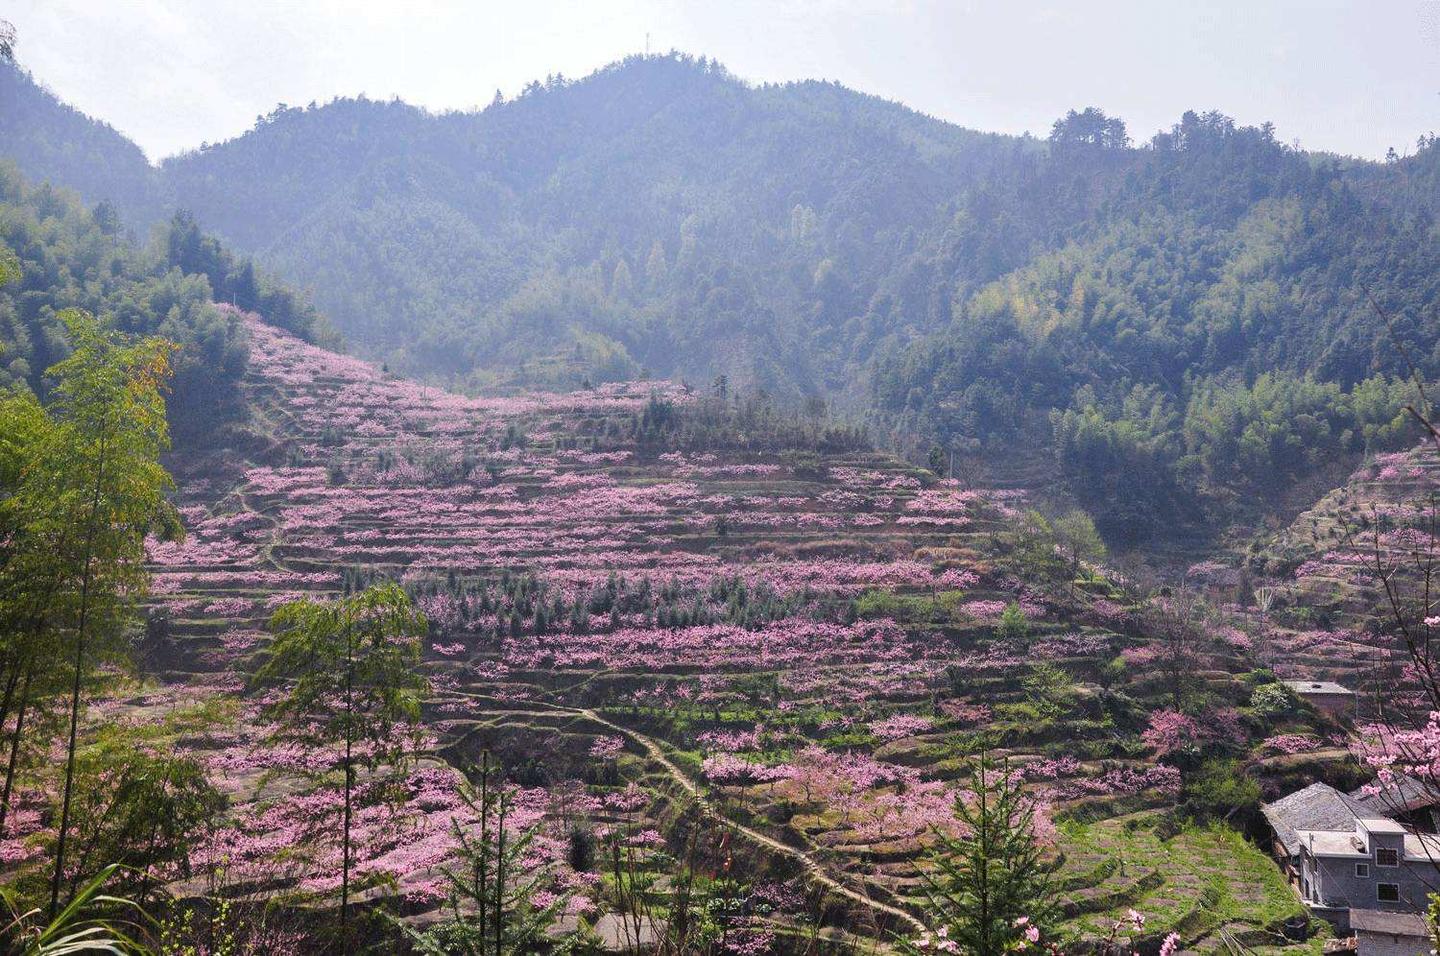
point(1152, 314)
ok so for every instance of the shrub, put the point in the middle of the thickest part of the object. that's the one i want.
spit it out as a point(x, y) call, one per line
point(1013, 624)
point(1218, 789)
point(1273, 700)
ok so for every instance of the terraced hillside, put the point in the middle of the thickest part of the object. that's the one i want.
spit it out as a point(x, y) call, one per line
point(1327, 614)
point(1318, 601)
point(705, 632)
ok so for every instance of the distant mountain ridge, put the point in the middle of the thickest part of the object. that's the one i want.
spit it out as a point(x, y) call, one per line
point(53, 142)
point(1121, 306)
point(654, 163)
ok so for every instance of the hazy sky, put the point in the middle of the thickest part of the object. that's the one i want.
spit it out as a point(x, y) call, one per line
point(1352, 77)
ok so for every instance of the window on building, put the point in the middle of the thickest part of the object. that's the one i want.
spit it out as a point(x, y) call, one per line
point(1385, 856)
point(1387, 892)
point(1362, 870)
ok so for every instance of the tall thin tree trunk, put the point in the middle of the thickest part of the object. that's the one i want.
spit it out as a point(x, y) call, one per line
point(12, 677)
point(982, 788)
point(11, 681)
point(75, 684)
point(349, 737)
point(15, 744)
point(70, 746)
point(482, 874)
point(25, 662)
point(150, 846)
point(500, 876)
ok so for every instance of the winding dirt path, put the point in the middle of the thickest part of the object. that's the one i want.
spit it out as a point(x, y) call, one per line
point(813, 868)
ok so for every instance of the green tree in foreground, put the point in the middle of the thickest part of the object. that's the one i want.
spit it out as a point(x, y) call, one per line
point(348, 669)
point(87, 501)
point(29, 579)
point(139, 806)
point(493, 888)
point(991, 885)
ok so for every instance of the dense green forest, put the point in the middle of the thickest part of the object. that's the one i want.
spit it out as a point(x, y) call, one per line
point(1207, 309)
point(1233, 314)
point(56, 255)
point(659, 214)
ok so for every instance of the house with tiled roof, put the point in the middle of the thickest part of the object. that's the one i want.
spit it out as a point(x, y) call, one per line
point(1344, 851)
point(1408, 799)
point(1378, 933)
point(1316, 807)
point(1377, 865)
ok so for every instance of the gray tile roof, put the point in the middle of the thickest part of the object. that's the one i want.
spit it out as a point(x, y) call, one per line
point(1401, 795)
point(1395, 924)
point(1317, 807)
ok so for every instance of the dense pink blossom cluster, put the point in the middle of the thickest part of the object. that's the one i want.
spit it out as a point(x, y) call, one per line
point(900, 726)
point(715, 647)
point(1161, 780)
point(1073, 645)
point(1290, 744)
point(608, 747)
point(984, 610)
point(1051, 768)
point(732, 741)
point(1169, 730)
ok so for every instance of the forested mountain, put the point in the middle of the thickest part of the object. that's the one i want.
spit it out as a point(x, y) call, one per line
point(656, 214)
point(1186, 324)
point(652, 640)
point(54, 142)
point(1218, 325)
point(55, 255)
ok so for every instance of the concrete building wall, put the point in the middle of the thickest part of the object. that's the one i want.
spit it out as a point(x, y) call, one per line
point(1336, 705)
point(1334, 882)
point(1384, 944)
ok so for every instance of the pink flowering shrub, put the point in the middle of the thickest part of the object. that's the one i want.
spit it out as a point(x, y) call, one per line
point(1170, 731)
point(732, 741)
point(608, 747)
point(984, 610)
point(1161, 780)
point(1290, 744)
point(900, 725)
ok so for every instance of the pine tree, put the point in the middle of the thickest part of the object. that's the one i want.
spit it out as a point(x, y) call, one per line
point(986, 886)
point(494, 905)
